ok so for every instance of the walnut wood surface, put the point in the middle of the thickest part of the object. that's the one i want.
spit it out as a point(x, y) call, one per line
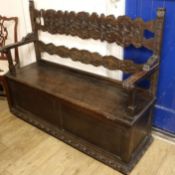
point(51, 79)
point(73, 112)
point(87, 57)
point(122, 30)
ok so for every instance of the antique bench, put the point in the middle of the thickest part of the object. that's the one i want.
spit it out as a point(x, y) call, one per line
point(105, 118)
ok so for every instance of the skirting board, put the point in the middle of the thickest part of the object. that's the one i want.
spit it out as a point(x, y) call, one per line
point(166, 136)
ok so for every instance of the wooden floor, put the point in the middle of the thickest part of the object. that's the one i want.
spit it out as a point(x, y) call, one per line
point(25, 150)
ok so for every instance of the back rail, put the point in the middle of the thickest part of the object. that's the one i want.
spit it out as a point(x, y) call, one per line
point(86, 57)
point(122, 30)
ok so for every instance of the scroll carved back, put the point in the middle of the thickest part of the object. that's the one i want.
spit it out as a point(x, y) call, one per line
point(122, 30)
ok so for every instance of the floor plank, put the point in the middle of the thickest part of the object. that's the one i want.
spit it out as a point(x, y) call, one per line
point(25, 150)
point(5, 173)
point(153, 158)
point(33, 159)
point(2, 147)
point(168, 165)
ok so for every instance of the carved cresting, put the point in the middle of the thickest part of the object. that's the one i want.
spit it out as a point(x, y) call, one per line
point(3, 36)
point(87, 57)
point(122, 30)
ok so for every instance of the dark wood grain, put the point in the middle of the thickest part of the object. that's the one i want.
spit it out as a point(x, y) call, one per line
point(87, 57)
point(34, 27)
point(66, 107)
point(122, 30)
point(158, 47)
point(84, 146)
point(138, 76)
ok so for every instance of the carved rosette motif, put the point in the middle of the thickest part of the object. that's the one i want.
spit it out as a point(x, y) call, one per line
point(122, 30)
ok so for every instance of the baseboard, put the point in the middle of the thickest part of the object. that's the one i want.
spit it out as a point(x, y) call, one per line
point(163, 135)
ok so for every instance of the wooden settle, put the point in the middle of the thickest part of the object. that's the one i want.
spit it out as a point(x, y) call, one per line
point(107, 119)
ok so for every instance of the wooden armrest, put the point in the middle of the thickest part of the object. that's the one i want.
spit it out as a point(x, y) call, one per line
point(135, 78)
point(31, 37)
point(152, 61)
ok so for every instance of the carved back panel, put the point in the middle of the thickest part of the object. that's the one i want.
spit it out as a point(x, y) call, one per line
point(4, 33)
point(122, 30)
